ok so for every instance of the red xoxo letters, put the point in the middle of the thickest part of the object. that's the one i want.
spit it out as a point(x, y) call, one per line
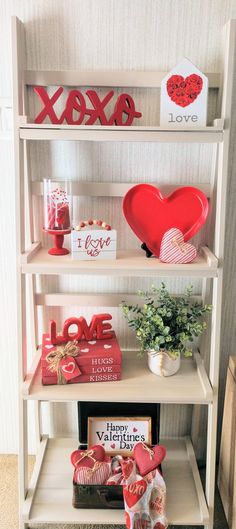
point(98, 328)
point(76, 108)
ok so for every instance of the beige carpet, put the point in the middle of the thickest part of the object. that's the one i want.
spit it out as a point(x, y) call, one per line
point(9, 491)
point(9, 499)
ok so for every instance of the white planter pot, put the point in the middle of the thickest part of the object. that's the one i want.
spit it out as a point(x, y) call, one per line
point(162, 364)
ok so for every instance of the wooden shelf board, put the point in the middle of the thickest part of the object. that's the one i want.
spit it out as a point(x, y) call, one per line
point(189, 386)
point(49, 499)
point(125, 78)
point(114, 189)
point(128, 263)
point(32, 131)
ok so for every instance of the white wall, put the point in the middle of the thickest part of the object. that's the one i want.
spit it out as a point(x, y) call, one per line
point(109, 34)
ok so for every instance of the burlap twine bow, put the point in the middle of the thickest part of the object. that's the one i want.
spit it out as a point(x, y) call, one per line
point(180, 245)
point(149, 450)
point(54, 359)
point(161, 355)
point(96, 466)
point(87, 453)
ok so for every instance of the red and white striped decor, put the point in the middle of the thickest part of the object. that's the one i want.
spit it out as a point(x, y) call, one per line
point(97, 475)
point(174, 249)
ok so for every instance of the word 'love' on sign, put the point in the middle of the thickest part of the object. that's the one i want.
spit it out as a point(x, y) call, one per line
point(184, 93)
point(98, 328)
point(93, 244)
point(76, 108)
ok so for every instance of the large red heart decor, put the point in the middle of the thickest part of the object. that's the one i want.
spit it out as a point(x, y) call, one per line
point(88, 458)
point(148, 458)
point(183, 91)
point(150, 214)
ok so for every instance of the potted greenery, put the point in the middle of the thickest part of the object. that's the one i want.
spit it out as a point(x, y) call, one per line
point(165, 325)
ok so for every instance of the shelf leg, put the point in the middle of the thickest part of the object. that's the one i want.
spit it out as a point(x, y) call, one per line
point(199, 416)
point(213, 407)
point(38, 423)
point(211, 460)
point(33, 324)
point(23, 456)
point(228, 55)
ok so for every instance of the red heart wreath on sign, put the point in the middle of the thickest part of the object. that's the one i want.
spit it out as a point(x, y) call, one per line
point(150, 214)
point(148, 458)
point(88, 458)
point(183, 91)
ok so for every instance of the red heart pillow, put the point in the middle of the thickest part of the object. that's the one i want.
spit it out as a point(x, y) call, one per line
point(98, 475)
point(148, 458)
point(88, 458)
point(150, 214)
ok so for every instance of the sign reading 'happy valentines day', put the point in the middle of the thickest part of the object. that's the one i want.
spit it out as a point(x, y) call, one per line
point(184, 97)
point(119, 434)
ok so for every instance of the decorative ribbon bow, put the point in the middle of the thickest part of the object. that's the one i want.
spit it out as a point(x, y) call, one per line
point(54, 358)
point(149, 450)
point(96, 466)
point(87, 453)
point(179, 245)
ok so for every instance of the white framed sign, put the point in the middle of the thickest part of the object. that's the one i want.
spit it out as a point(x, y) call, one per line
point(184, 92)
point(89, 245)
point(118, 435)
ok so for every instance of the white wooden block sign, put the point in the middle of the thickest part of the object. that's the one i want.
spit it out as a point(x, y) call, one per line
point(87, 245)
point(184, 93)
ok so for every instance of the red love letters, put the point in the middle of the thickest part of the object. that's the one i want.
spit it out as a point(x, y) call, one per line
point(98, 328)
point(76, 108)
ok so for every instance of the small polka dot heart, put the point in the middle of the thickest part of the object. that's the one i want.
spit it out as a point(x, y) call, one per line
point(90, 222)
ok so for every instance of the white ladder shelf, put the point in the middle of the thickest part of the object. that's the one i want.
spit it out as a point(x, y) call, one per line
point(47, 498)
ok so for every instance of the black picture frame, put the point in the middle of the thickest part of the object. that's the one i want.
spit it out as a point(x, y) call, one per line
point(117, 409)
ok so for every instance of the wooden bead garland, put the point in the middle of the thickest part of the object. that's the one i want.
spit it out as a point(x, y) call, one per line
point(91, 222)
